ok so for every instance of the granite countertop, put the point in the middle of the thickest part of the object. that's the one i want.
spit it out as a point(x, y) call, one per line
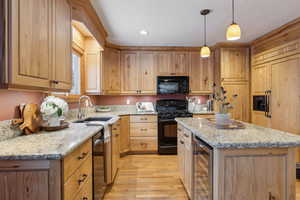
point(251, 137)
point(47, 145)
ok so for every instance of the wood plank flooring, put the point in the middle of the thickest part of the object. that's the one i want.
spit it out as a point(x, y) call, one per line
point(147, 177)
point(151, 177)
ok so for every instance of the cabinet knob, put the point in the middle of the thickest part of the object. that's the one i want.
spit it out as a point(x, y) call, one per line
point(82, 156)
point(54, 82)
point(271, 197)
point(82, 179)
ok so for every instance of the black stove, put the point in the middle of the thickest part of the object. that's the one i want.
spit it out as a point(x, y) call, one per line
point(168, 110)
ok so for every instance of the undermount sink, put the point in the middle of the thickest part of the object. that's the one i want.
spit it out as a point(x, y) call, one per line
point(93, 119)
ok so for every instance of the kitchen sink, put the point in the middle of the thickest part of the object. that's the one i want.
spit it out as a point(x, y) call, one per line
point(93, 119)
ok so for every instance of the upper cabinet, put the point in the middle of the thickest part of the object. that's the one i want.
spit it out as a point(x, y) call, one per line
point(138, 72)
point(201, 74)
point(234, 64)
point(173, 63)
point(31, 43)
point(111, 71)
point(130, 72)
point(261, 79)
point(39, 50)
point(62, 50)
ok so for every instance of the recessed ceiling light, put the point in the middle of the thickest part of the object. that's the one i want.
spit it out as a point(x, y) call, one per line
point(144, 32)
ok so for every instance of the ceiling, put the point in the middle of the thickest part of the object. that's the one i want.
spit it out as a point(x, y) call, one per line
point(179, 23)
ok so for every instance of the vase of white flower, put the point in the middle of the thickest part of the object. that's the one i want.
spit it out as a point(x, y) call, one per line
point(53, 110)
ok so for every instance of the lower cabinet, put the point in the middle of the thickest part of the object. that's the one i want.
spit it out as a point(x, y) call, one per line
point(185, 159)
point(143, 133)
point(124, 134)
point(115, 149)
point(69, 178)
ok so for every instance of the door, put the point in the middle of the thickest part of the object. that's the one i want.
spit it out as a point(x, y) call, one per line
point(112, 71)
point(181, 64)
point(147, 73)
point(164, 63)
point(241, 110)
point(261, 77)
point(285, 100)
point(201, 74)
point(62, 51)
point(234, 64)
point(130, 72)
point(31, 43)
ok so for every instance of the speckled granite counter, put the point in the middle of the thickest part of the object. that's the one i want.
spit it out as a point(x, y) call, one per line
point(47, 145)
point(251, 137)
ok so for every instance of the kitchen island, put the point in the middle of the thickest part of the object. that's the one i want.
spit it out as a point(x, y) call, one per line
point(251, 163)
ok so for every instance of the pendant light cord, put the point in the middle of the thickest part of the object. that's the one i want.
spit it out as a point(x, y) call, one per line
point(233, 12)
point(204, 30)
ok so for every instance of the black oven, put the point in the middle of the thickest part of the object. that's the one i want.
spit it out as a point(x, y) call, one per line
point(259, 103)
point(172, 85)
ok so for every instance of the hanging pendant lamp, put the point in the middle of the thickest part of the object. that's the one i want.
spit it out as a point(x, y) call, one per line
point(234, 30)
point(205, 51)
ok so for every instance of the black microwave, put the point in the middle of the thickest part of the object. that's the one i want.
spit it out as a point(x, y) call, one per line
point(173, 85)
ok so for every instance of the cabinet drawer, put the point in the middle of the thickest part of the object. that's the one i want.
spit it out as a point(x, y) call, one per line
point(86, 192)
point(77, 180)
point(76, 158)
point(143, 144)
point(143, 129)
point(143, 118)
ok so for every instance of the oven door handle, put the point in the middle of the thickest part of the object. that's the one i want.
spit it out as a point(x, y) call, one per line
point(266, 103)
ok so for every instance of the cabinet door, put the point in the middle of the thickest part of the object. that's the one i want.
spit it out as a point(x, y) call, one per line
point(241, 110)
point(188, 168)
point(180, 153)
point(147, 73)
point(164, 63)
point(130, 72)
point(261, 78)
point(234, 64)
point(112, 71)
point(62, 51)
point(115, 148)
point(124, 135)
point(31, 43)
point(285, 94)
point(201, 74)
point(181, 64)
point(260, 119)
point(93, 60)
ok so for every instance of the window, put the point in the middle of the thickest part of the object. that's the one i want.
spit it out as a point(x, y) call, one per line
point(76, 75)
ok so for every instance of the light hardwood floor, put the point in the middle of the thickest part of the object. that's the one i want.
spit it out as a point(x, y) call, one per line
point(147, 177)
point(151, 177)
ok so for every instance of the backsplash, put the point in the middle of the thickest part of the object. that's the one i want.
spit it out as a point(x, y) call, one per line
point(131, 100)
point(9, 100)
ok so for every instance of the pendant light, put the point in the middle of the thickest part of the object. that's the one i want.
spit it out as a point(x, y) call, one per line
point(205, 51)
point(234, 30)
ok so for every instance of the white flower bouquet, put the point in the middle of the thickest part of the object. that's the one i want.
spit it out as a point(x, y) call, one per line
point(53, 109)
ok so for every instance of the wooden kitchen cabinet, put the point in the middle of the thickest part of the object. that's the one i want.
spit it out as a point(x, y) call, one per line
point(180, 152)
point(234, 64)
point(40, 38)
point(143, 133)
point(260, 119)
point(115, 149)
point(93, 70)
point(181, 64)
point(125, 134)
point(164, 63)
point(261, 79)
point(147, 73)
point(62, 45)
point(130, 72)
point(111, 71)
point(241, 110)
point(201, 74)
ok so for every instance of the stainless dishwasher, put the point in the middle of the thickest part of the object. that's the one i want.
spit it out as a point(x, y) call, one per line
point(203, 170)
point(99, 185)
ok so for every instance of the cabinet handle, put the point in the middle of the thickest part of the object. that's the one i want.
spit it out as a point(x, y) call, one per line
point(10, 167)
point(82, 156)
point(271, 197)
point(85, 198)
point(186, 135)
point(179, 129)
point(144, 118)
point(115, 129)
point(181, 142)
point(54, 81)
point(117, 135)
point(82, 179)
point(144, 129)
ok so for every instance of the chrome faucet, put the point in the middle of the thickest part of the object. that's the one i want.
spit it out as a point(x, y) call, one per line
point(88, 102)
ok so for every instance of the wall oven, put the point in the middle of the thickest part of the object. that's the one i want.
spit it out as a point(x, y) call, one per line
point(172, 85)
point(203, 170)
point(99, 184)
point(262, 103)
